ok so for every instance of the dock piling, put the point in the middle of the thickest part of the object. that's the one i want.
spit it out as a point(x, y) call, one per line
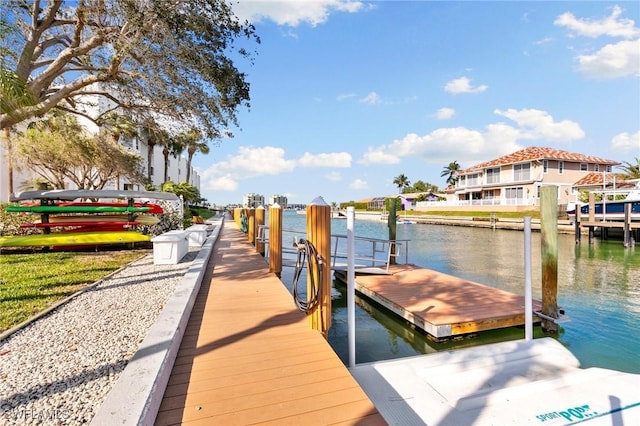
point(275, 240)
point(319, 234)
point(259, 222)
point(549, 255)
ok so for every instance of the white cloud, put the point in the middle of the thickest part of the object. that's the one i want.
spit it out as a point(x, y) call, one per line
point(333, 176)
point(463, 85)
point(378, 156)
point(445, 113)
point(612, 61)
point(537, 124)
point(371, 99)
point(345, 96)
point(610, 26)
point(293, 13)
point(358, 184)
point(625, 142)
point(251, 162)
point(334, 159)
point(473, 146)
point(222, 183)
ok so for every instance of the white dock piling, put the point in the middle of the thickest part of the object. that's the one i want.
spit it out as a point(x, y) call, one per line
point(351, 292)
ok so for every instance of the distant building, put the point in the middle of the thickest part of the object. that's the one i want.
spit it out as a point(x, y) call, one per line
point(253, 200)
point(281, 200)
point(515, 179)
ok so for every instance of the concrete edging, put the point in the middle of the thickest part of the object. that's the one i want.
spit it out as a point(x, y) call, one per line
point(135, 398)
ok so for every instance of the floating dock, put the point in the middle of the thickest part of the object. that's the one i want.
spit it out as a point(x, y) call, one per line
point(441, 305)
point(520, 382)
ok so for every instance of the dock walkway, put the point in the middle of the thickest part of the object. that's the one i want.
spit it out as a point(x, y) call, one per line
point(249, 357)
point(440, 304)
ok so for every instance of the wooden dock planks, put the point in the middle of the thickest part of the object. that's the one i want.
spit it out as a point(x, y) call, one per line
point(249, 357)
point(442, 305)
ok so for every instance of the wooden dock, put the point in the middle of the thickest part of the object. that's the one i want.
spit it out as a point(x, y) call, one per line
point(442, 305)
point(249, 357)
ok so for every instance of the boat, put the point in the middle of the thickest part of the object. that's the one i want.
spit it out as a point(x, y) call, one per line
point(74, 239)
point(613, 210)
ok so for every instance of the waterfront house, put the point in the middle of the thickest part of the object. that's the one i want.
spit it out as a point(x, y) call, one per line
point(515, 179)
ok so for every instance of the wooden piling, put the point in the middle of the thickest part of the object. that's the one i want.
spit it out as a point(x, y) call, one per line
point(319, 234)
point(392, 224)
point(275, 239)
point(549, 255)
point(627, 225)
point(251, 225)
point(259, 223)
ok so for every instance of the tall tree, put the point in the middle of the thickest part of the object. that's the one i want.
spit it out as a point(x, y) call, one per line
point(401, 182)
point(451, 172)
point(66, 154)
point(194, 144)
point(631, 170)
point(172, 57)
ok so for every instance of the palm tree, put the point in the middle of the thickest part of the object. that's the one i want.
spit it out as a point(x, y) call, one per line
point(193, 143)
point(401, 182)
point(154, 135)
point(14, 93)
point(451, 171)
point(631, 171)
point(118, 125)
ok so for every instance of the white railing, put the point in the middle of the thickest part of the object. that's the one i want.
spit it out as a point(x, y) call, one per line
point(369, 252)
point(481, 202)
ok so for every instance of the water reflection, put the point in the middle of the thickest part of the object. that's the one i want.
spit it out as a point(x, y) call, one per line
point(598, 286)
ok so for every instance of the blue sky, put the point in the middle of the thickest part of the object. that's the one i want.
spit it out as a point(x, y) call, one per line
point(345, 96)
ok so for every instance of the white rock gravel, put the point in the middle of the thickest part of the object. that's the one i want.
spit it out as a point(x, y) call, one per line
point(59, 369)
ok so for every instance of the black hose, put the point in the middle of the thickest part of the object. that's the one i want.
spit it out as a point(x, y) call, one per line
point(308, 255)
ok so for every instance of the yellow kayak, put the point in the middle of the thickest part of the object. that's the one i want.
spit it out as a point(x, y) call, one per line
point(73, 239)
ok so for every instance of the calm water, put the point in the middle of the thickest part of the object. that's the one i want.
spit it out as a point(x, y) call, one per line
point(598, 287)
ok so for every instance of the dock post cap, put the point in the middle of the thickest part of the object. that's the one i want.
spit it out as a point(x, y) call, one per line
point(260, 207)
point(275, 206)
point(318, 201)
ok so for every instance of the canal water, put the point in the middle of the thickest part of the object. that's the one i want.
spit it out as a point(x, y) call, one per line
point(598, 287)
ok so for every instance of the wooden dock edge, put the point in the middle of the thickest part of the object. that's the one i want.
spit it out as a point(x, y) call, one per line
point(136, 396)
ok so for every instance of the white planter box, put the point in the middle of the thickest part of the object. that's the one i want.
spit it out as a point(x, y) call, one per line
point(197, 235)
point(169, 248)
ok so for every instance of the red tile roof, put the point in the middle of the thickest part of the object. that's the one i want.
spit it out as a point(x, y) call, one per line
point(595, 179)
point(537, 153)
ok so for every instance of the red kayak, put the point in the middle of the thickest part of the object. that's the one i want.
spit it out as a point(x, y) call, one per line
point(79, 223)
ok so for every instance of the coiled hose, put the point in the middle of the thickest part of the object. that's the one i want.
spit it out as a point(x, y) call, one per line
point(308, 255)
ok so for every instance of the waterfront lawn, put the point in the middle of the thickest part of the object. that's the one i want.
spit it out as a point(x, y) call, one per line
point(30, 283)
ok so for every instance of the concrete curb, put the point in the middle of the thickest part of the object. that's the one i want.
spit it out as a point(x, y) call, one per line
point(136, 396)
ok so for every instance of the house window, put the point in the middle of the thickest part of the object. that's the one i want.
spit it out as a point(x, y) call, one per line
point(473, 179)
point(514, 193)
point(128, 186)
point(596, 167)
point(584, 167)
point(545, 166)
point(151, 171)
point(521, 172)
point(609, 169)
point(493, 175)
point(560, 167)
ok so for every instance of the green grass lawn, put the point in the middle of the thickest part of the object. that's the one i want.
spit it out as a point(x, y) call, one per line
point(30, 283)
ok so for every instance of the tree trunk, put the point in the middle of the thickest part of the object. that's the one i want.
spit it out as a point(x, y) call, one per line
point(189, 158)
